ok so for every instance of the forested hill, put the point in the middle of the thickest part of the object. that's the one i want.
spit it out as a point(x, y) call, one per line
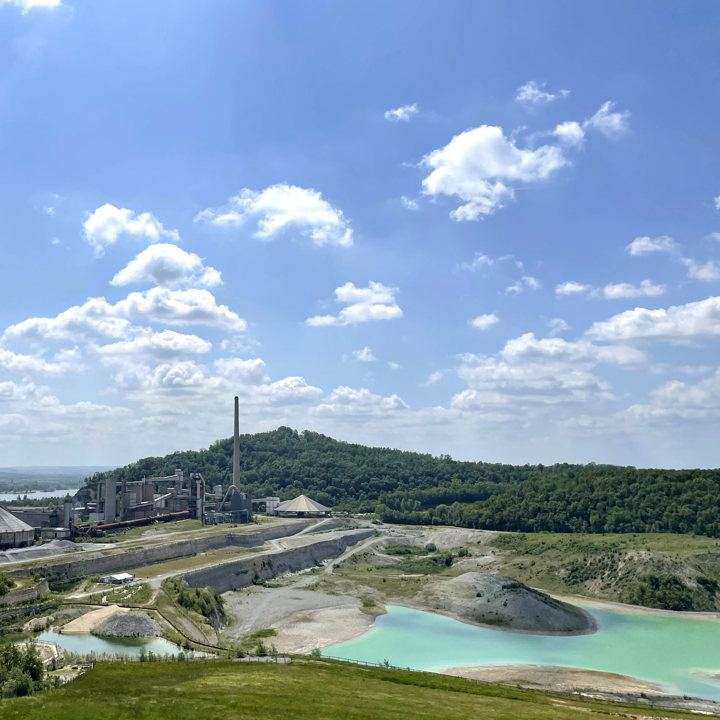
point(415, 488)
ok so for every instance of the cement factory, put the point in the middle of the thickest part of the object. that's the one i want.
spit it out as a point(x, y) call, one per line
point(115, 505)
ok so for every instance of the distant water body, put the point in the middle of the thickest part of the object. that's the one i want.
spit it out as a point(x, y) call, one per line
point(38, 495)
point(657, 648)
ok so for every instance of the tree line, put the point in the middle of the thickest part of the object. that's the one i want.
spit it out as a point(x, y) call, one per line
point(416, 488)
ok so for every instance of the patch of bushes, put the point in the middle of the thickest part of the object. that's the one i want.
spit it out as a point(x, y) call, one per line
point(6, 583)
point(204, 601)
point(659, 591)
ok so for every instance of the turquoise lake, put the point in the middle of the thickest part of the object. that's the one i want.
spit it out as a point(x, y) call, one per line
point(87, 644)
point(660, 649)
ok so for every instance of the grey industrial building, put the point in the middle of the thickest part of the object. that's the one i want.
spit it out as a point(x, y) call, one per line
point(14, 533)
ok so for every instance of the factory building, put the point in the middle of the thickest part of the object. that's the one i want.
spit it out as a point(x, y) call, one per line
point(14, 533)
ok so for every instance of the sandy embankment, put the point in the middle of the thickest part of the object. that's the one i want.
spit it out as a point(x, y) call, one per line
point(551, 677)
point(88, 622)
point(303, 619)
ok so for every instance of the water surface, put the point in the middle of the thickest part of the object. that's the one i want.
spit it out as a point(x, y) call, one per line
point(86, 644)
point(657, 648)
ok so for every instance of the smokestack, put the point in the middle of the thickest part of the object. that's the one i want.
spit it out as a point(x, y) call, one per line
point(236, 447)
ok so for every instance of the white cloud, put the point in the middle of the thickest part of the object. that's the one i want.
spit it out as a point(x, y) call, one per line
point(358, 402)
point(531, 373)
point(677, 322)
point(169, 266)
point(179, 307)
point(409, 203)
point(572, 288)
point(644, 245)
point(435, 377)
point(532, 93)
point(607, 122)
point(402, 114)
point(284, 207)
point(28, 5)
point(557, 326)
point(63, 362)
point(708, 272)
point(98, 319)
point(612, 291)
point(717, 202)
point(364, 355)
point(154, 346)
point(375, 302)
point(483, 322)
point(479, 165)
point(394, 366)
point(527, 282)
point(95, 319)
point(107, 223)
point(570, 133)
point(242, 372)
point(616, 291)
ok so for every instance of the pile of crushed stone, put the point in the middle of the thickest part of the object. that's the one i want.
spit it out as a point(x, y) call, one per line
point(506, 604)
point(130, 625)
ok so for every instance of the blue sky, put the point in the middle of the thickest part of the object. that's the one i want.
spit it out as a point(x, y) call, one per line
point(484, 229)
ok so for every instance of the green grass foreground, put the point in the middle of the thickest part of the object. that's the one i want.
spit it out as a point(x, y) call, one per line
point(303, 689)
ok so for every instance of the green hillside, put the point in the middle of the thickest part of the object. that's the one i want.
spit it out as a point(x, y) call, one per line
point(301, 690)
point(415, 488)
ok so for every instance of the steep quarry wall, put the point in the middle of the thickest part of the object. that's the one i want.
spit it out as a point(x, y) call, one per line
point(24, 595)
point(79, 566)
point(243, 571)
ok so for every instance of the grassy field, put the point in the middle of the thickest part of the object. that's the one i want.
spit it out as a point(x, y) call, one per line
point(301, 690)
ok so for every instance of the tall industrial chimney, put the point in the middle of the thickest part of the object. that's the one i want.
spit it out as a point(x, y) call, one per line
point(236, 447)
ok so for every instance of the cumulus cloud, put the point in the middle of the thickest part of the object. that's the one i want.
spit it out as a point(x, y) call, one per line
point(570, 133)
point(717, 202)
point(677, 322)
point(533, 93)
point(349, 401)
point(645, 245)
point(98, 319)
point(169, 266)
point(480, 165)
point(375, 302)
point(483, 322)
point(530, 372)
point(403, 113)
point(708, 271)
point(106, 224)
point(616, 291)
point(63, 362)
point(154, 346)
point(572, 288)
point(281, 208)
point(611, 291)
point(364, 355)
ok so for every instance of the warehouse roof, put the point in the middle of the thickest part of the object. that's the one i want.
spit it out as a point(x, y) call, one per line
point(10, 524)
point(302, 503)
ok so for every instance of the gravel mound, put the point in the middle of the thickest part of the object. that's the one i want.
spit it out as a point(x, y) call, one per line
point(129, 624)
point(506, 604)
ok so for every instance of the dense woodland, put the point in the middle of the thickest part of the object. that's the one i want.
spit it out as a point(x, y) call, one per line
point(413, 488)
